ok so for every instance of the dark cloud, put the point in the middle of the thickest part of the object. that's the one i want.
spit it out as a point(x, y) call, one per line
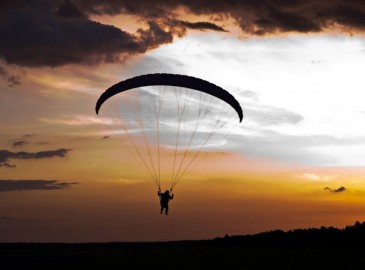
point(340, 189)
point(282, 21)
point(19, 143)
point(154, 36)
point(43, 40)
point(7, 165)
point(203, 26)
point(21, 185)
point(11, 79)
point(68, 10)
point(51, 35)
point(54, 33)
point(253, 16)
point(6, 155)
point(345, 14)
point(145, 9)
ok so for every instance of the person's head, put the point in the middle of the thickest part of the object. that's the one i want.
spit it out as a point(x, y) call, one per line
point(166, 192)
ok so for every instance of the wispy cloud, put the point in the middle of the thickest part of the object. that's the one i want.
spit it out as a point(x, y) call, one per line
point(270, 116)
point(6, 155)
point(125, 181)
point(81, 120)
point(7, 185)
point(23, 140)
point(28, 135)
point(316, 177)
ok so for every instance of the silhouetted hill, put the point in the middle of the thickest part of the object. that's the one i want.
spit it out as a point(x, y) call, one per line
point(312, 248)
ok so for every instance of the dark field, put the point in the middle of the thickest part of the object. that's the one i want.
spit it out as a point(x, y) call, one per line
point(324, 248)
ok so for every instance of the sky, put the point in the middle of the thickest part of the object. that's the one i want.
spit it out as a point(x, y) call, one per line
point(296, 160)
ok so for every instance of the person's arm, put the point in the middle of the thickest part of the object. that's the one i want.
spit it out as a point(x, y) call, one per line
point(172, 196)
point(159, 193)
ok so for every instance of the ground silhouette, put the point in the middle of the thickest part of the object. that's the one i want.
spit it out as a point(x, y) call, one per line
point(311, 248)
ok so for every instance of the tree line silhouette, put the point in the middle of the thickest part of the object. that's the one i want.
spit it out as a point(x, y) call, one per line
point(299, 249)
point(351, 236)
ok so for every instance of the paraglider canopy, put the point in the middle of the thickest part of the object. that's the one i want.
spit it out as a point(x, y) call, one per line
point(168, 120)
point(172, 80)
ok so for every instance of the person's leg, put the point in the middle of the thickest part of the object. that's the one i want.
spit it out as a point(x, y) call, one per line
point(166, 209)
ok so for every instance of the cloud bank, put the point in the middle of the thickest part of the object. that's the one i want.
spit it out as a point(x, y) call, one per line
point(55, 33)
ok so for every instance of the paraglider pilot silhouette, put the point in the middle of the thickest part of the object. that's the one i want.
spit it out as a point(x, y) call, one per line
point(165, 197)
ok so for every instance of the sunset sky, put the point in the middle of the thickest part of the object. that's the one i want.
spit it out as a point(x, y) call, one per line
point(296, 160)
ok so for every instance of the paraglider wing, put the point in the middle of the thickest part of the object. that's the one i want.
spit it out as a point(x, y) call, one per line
point(171, 80)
